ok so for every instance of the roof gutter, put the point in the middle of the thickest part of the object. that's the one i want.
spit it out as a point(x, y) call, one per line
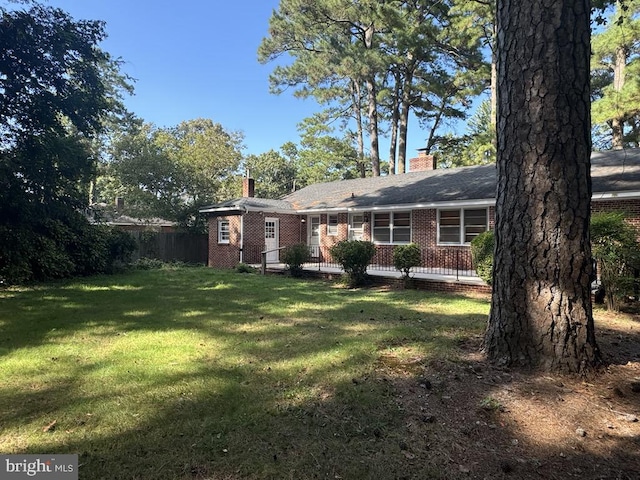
point(631, 195)
point(406, 206)
point(480, 203)
point(242, 209)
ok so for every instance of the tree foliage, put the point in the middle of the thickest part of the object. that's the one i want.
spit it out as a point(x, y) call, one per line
point(275, 175)
point(615, 67)
point(57, 90)
point(475, 147)
point(616, 250)
point(171, 172)
point(377, 60)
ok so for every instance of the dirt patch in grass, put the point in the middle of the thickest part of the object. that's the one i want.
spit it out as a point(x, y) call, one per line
point(471, 420)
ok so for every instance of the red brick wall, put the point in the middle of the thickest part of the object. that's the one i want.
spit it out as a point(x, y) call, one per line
point(228, 255)
point(630, 207)
point(224, 255)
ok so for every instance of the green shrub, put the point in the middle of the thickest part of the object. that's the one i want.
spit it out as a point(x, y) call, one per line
point(482, 255)
point(121, 245)
point(53, 248)
point(615, 248)
point(354, 256)
point(405, 257)
point(294, 257)
point(244, 268)
point(146, 263)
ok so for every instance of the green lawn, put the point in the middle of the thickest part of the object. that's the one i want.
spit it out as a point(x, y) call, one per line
point(199, 373)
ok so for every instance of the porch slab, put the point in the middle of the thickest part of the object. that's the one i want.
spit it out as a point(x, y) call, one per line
point(461, 278)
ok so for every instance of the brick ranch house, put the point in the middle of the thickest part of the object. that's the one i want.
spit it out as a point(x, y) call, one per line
point(441, 210)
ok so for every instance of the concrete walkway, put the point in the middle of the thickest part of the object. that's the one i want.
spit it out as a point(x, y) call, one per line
point(461, 278)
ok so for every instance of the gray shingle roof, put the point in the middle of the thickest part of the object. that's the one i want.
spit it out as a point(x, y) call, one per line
point(611, 172)
point(250, 203)
point(452, 184)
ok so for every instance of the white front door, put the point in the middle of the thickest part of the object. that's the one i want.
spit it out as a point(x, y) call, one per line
point(271, 234)
point(314, 235)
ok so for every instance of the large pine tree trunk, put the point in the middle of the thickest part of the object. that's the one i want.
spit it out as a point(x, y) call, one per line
point(372, 113)
point(405, 108)
point(541, 306)
point(617, 124)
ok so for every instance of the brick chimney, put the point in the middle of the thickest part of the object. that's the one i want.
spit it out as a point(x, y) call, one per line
point(248, 187)
point(422, 162)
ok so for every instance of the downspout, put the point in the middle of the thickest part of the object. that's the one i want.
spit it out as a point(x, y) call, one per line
point(242, 235)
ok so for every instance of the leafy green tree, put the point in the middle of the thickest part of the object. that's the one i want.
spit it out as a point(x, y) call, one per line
point(57, 90)
point(478, 20)
point(274, 174)
point(322, 157)
point(377, 60)
point(172, 172)
point(335, 47)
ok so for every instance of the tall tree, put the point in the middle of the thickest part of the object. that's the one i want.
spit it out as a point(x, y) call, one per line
point(335, 51)
point(477, 18)
point(56, 90)
point(442, 67)
point(616, 60)
point(541, 313)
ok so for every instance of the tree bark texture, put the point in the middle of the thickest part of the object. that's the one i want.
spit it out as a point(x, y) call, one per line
point(541, 313)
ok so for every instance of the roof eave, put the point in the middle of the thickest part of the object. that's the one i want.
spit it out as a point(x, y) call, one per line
point(611, 196)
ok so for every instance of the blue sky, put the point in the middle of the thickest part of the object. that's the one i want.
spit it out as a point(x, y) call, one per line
point(198, 58)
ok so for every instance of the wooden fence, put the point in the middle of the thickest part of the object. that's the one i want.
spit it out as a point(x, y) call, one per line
point(171, 246)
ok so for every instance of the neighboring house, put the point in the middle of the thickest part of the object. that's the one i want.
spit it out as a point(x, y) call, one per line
point(132, 224)
point(112, 215)
point(441, 210)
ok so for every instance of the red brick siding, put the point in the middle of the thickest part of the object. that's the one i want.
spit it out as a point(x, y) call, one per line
point(291, 231)
point(224, 255)
point(630, 207)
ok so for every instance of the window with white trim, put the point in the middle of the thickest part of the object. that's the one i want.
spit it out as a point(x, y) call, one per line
point(223, 231)
point(356, 226)
point(461, 225)
point(332, 224)
point(392, 227)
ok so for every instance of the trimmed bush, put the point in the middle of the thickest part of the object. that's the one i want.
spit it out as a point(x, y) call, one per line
point(405, 257)
point(354, 256)
point(294, 257)
point(482, 255)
